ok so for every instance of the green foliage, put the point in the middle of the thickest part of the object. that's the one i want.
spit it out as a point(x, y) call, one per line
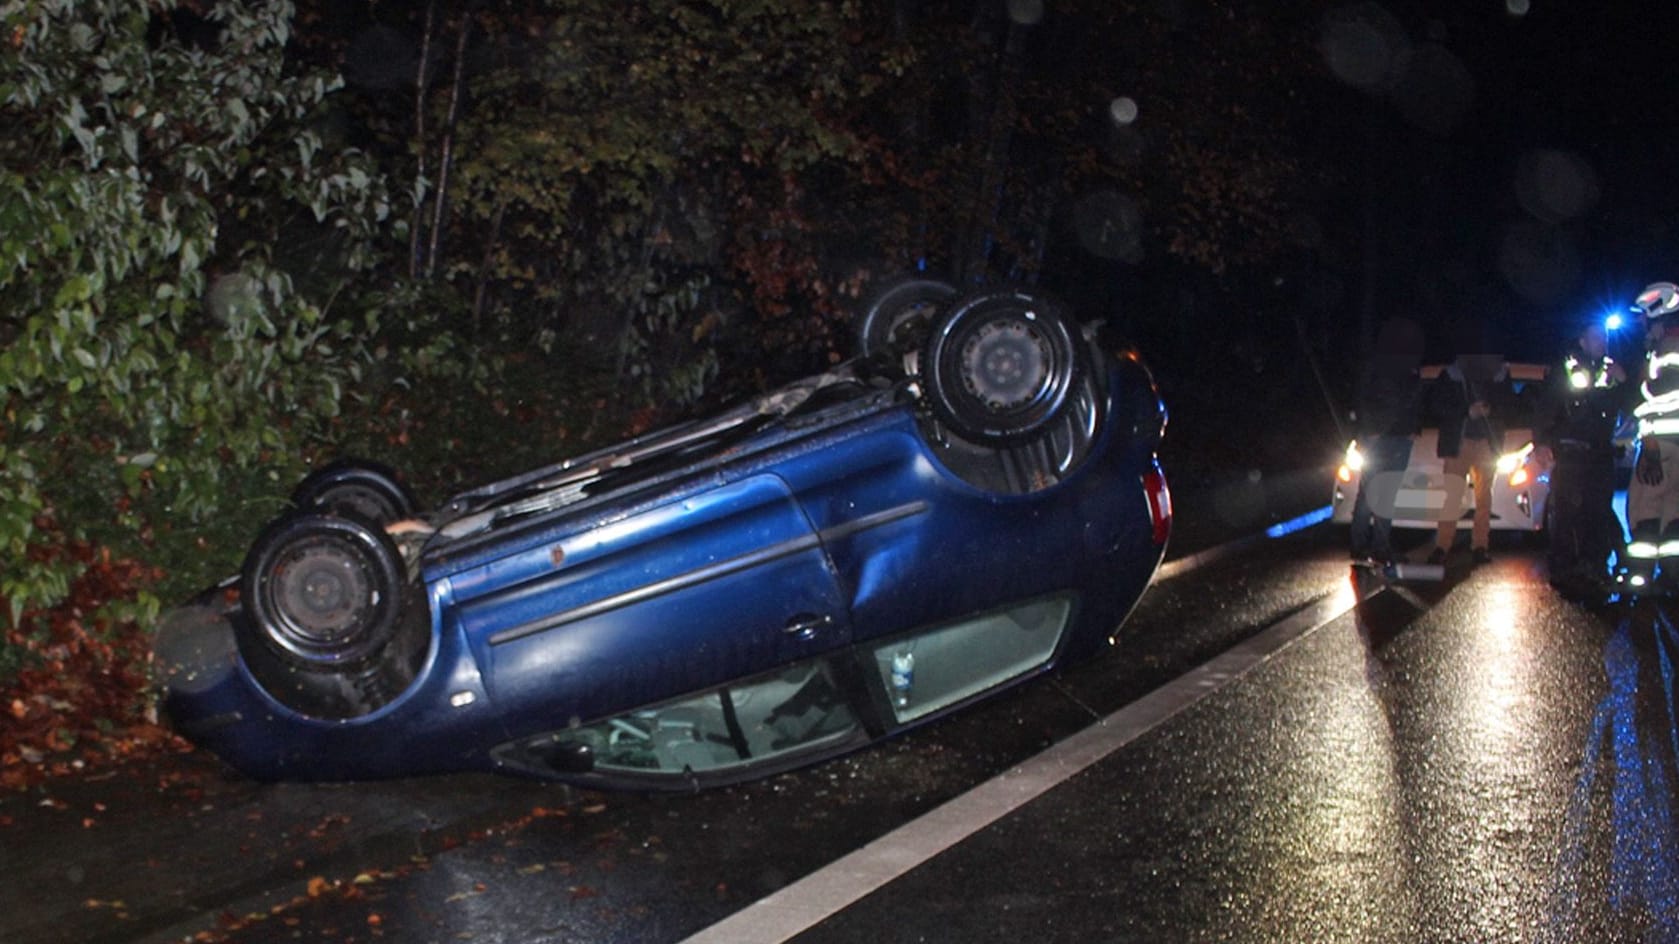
point(603, 178)
point(687, 183)
point(149, 360)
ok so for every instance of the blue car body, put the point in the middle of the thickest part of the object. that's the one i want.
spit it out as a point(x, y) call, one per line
point(721, 600)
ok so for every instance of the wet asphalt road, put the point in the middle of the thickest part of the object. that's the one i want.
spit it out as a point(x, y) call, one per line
point(1497, 767)
point(1475, 760)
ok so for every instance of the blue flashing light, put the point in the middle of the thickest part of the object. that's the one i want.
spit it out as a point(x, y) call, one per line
point(1285, 528)
point(1615, 321)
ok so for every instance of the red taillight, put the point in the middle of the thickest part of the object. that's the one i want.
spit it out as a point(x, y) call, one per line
point(1159, 504)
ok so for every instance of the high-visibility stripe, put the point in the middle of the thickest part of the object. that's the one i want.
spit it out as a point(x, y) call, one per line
point(1581, 376)
point(1659, 426)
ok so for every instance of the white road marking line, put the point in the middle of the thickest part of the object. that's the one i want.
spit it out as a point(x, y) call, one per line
point(829, 890)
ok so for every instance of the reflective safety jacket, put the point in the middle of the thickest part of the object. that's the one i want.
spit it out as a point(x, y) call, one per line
point(1583, 402)
point(1658, 413)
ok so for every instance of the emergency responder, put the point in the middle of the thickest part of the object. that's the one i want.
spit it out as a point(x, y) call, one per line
point(1575, 437)
point(1653, 494)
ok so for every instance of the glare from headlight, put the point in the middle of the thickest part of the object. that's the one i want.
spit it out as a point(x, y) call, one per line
point(1355, 459)
point(1511, 461)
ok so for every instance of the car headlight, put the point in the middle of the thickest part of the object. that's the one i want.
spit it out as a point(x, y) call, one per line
point(1514, 465)
point(1352, 462)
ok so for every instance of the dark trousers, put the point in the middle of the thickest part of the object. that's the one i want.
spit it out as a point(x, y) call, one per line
point(1583, 526)
point(1372, 528)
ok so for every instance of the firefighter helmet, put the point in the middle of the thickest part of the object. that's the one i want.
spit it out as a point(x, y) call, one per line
point(1657, 300)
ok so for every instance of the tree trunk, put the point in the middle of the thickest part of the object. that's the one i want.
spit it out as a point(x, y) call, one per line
point(446, 157)
point(482, 289)
point(417, 226)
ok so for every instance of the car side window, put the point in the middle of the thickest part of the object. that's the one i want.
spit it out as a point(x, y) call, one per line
point(747, 723)
point(933, 669)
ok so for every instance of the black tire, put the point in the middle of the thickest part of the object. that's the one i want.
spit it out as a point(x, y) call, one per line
point(363, 489)
point(321, 592)
point(1000, 367)
point(897, 309)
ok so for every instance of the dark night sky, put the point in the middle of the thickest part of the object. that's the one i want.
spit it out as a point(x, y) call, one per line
point(1500, 176)
point(1514, 167)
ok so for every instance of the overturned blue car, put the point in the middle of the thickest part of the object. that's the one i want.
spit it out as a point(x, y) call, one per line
point(972, 501)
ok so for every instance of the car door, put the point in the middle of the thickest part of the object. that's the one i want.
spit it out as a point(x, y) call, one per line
point(724, 583)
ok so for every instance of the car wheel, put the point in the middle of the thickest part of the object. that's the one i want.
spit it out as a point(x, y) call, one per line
point(364, 489)
point(321, 591)
point(896, 310)
point(1001, 366)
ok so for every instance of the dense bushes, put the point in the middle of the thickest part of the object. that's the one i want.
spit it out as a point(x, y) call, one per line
point(150, 363)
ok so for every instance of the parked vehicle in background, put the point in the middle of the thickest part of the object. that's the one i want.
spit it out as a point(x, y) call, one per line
point(971, 502)
point(1418, 495)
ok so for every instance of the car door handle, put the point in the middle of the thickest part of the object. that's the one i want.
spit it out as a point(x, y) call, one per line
point(806, 625)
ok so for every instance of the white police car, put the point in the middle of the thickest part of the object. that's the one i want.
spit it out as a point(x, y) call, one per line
point(1418, 496)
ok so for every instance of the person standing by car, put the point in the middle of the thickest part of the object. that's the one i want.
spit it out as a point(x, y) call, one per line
point(1389, 415)
point(1575, 438)
point(1653, 494)
point(1469, 401)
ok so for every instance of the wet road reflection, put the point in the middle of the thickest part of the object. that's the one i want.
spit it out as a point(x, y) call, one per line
point(1629, 755)
point(1534, 750)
